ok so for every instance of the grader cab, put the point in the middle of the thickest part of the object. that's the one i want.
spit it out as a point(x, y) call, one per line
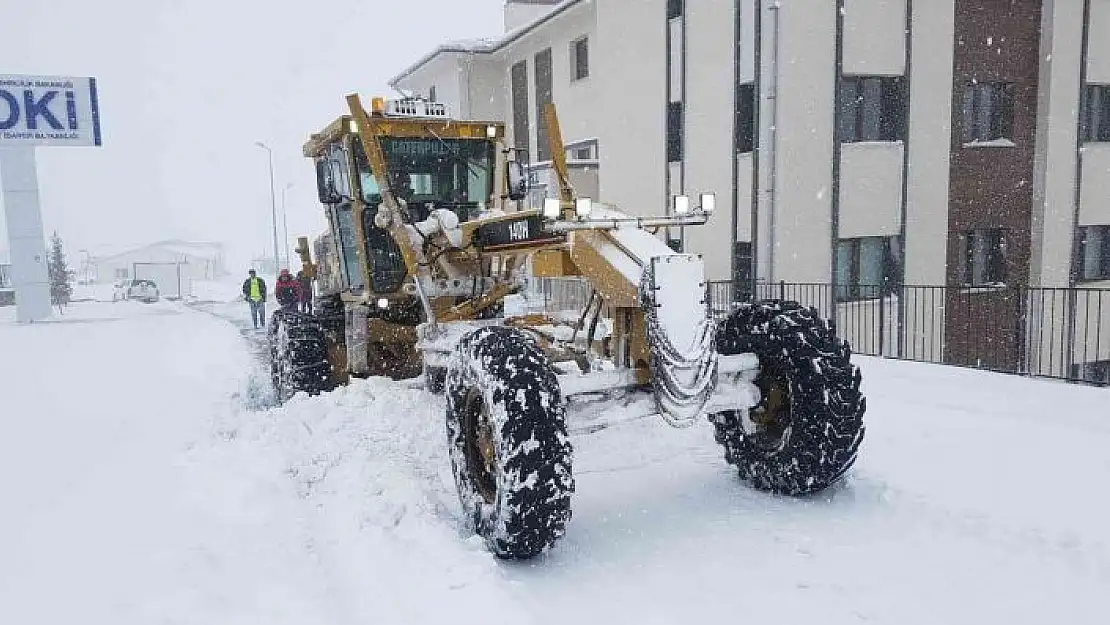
point(427, 243)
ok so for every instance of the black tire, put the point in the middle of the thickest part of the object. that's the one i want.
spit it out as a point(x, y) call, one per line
point(810, 416)
point(435, 379)
point(298, 355)
point(499, 383)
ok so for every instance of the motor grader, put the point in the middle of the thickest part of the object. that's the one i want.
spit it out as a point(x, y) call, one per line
point(428, 241)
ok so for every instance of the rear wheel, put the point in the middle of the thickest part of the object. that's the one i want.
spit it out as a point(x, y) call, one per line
point(298, 355)
point(805, 432)
point(509, 448)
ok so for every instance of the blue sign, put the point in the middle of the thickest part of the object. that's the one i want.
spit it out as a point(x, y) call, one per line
point(48, 111)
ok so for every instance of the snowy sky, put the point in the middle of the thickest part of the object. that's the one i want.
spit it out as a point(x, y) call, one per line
point(188, 86)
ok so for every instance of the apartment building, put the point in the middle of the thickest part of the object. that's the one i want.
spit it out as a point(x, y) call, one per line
point(866, 144)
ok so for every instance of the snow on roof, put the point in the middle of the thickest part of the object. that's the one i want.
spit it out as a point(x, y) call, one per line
point(199, 249)
point(485, 46)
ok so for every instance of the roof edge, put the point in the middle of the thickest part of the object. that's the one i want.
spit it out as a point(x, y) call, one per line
point(492, 46)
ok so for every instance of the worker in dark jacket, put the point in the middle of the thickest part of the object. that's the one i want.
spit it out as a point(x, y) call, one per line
point(287, 291)
point(306, 292)
point(254, 291)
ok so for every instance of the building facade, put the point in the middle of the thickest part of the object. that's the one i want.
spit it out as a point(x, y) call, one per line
point(869, 145)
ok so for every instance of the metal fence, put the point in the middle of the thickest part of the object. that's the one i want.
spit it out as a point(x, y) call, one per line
point(1059, 333)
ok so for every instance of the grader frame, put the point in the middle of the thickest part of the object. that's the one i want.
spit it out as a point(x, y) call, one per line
point(424, 285)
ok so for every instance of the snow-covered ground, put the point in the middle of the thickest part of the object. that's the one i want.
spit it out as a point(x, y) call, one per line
point(147, 479)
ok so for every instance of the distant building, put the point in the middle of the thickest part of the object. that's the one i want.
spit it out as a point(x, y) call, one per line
point(198, 260)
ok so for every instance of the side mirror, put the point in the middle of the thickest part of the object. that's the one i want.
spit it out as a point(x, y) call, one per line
point(516, 180)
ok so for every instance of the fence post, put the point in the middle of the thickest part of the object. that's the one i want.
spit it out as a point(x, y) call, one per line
point(782, 290)
point(882, 323)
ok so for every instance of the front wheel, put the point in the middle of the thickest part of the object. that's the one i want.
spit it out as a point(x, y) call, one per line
point(805, 432)
point(298, 355)
point(510, 453)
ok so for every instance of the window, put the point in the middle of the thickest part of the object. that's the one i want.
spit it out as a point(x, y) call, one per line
point(867, 267)
point(988, 113)
point(345, 224)
point(745, 118)
point(521, 131)
point(742, 271)
point(122, 273)
point(674, 132)
point(432, 93)
point(584, 151)
point(872, 108)
point(1094, 250)
point(1096, 113)
point(580, 59)
point(543, 97)
point(983, 257)
point(674, 9)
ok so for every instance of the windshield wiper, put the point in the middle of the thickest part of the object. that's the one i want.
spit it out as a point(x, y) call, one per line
point(458, 158)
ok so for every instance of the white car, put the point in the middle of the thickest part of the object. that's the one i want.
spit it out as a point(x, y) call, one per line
point(137, 289)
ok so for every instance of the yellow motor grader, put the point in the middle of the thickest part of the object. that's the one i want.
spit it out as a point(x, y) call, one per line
point(428, 245)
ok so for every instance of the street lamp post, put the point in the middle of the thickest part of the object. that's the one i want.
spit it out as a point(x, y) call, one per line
point(273, 204)
point(285, 225)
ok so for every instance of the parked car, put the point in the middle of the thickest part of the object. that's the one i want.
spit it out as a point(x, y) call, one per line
point(137, 289)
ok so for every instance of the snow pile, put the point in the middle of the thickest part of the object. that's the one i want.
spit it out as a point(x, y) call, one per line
point(368, 469)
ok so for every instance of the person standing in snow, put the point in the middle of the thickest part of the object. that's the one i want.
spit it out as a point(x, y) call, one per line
point(254, 291)
point(306, 292)
point(287, 291)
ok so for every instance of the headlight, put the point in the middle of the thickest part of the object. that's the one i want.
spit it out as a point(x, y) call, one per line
point(491, 132)
point(383, 303)
point(583, 206)
point(552, 207)
point(708, 202)
point(681, 205)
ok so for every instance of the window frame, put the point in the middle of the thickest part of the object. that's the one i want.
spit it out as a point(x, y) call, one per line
point(996, 258)
point(1000, 122)
point(888, 108)
point(579, 69)
point(889, 268)
point(1096, 113)
point(545, 93)
point(518, 84)
point(675, 9)
point(1103, 270)
point(675, 131)
point(745, 118)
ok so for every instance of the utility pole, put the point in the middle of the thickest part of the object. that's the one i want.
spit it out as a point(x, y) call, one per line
point(285, 225)
point(273, 204)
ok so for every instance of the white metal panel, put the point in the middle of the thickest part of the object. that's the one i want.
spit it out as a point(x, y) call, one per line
point(803, 236)
point(1055, 164)
point(1094, 197)
point(709, 109)
point(930, 128)
point(870, 189)
point(874, 37)
point(1098, 44)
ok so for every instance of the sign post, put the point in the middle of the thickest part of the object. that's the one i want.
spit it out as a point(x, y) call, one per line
point(37, 111)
